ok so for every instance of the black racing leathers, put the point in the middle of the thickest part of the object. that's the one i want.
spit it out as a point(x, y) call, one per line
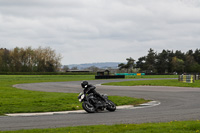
point(91, 89)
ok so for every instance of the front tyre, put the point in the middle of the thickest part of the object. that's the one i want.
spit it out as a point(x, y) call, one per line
point(111, 106)
point(88, 107)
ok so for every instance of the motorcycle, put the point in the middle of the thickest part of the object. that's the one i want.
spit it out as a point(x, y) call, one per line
point(92, 104)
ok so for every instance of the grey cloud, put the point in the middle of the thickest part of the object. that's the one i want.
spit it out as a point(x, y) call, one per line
point(117, 28)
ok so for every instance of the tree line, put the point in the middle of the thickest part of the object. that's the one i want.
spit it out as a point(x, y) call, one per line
point(168, 61)
point(29, 60)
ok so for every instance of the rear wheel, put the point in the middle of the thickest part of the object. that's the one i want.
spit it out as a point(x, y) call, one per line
point(88, 107)
point(111, 106)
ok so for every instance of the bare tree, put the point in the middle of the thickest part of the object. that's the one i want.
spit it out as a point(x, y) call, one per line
point(30, 60)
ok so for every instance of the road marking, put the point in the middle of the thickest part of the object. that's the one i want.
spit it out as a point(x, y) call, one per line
point(145, 105)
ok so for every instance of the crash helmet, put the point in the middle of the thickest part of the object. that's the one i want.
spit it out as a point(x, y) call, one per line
point(84, 84)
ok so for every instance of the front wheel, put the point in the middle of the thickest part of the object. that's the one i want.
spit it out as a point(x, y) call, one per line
point(111, 106)
point(88, 107)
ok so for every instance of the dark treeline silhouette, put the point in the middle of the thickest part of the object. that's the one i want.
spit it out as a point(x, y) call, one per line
point(169, 62)
point(29, 60)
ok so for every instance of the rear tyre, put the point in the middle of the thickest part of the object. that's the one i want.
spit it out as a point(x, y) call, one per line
point(111, 106)
point(88, 107)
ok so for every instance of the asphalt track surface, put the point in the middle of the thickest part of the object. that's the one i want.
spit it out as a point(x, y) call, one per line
point(177, 103)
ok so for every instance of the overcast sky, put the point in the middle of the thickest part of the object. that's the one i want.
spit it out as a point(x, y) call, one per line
point(86, 31)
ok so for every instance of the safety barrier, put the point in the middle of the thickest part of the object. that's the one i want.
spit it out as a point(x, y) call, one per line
point(109, 76)
point(130, 74)
point(186, 78)
point(196, 77)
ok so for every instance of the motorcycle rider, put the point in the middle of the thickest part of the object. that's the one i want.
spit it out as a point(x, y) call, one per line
point(89, 88)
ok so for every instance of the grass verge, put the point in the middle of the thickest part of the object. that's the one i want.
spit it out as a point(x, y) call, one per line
point(169, 82)
point(173, 127)
point(14, 100)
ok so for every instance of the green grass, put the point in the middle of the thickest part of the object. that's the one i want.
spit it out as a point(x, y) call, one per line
point(169, 127)
point(170, 82)
point(14, 100)
point(119, 100)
